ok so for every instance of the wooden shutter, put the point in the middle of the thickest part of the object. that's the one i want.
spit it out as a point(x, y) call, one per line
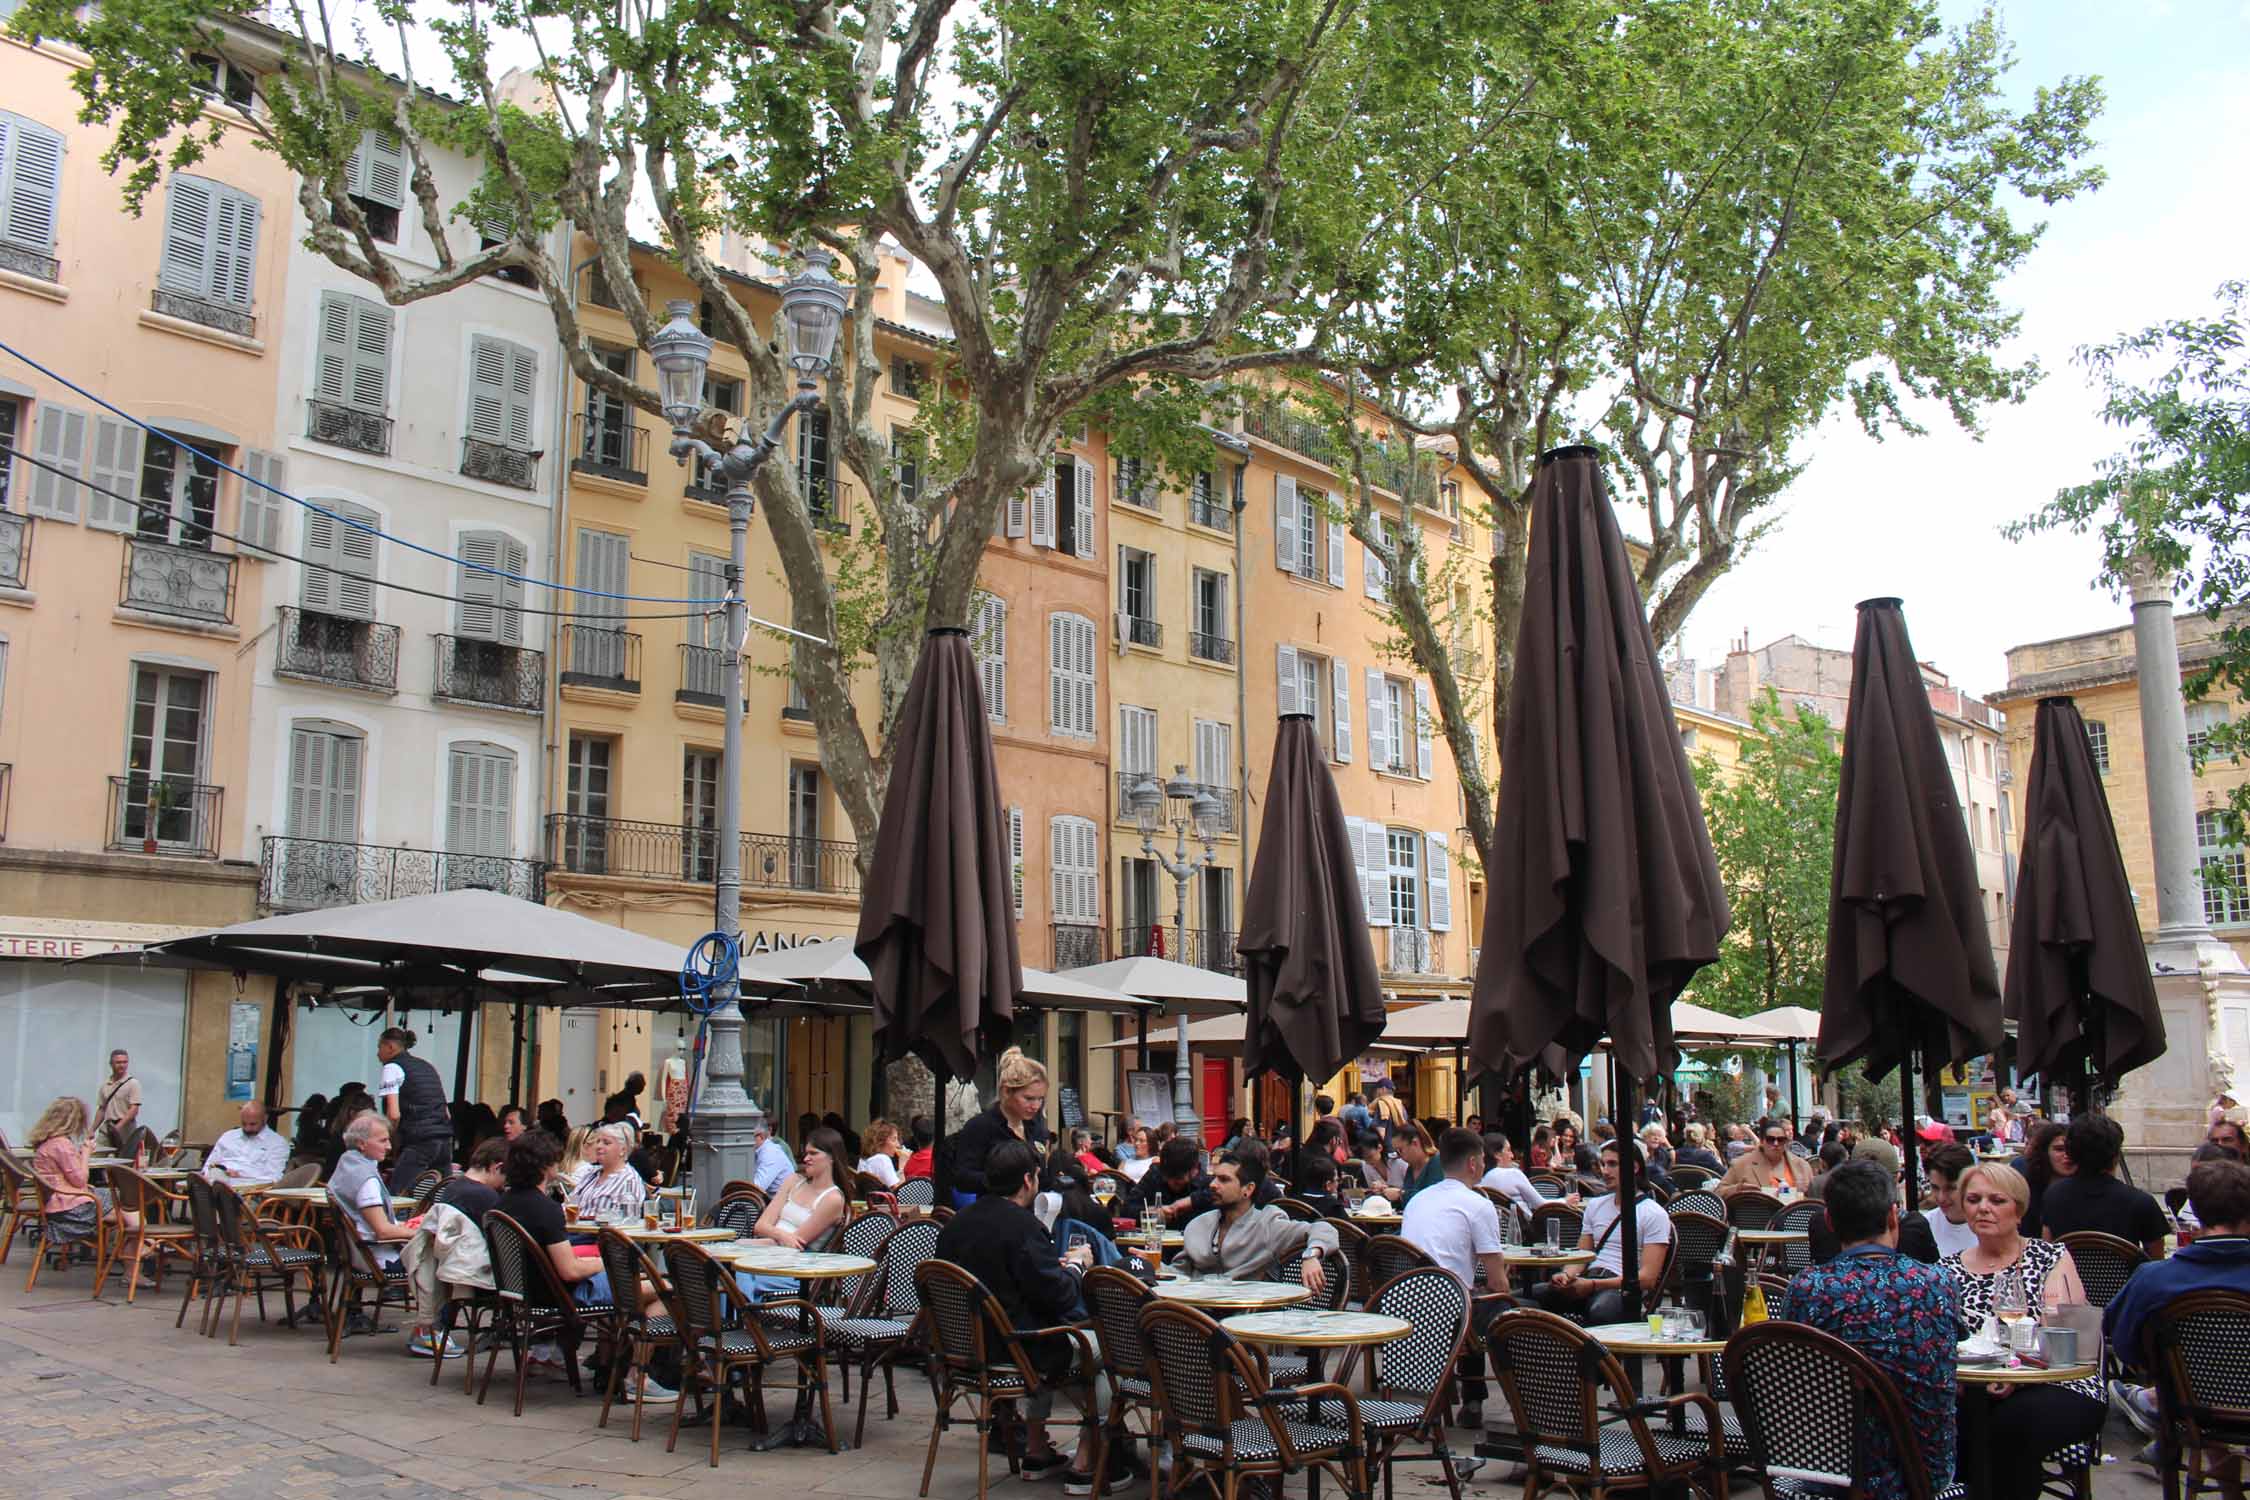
point(707, 584)
point(332, 363)
point(324, 776)
point(523, 386)
point(1439, 877)
point(234, 247)
point(1373, 574)
point(61, 441)
point(1285, 681)
point(1015, 855)
point(488, 389)
point(480, 800)
point(1071, 706)
point(1043, 511)
point(1425, 753)
point(31, 167)
point(1015, 515)
point(1336, 554)
point(370, 355)
point(184, 263)
point(989, 644)
point(116, 471)
point(1375, 871)
point(1084, 501)
point(1075, 870)
point(378, 169)
point(491, 606)
point(1285, 519)
point(1214, 753)
point(1380, 749)
point(340, 560)
point(1136, 740)
point(259, 518)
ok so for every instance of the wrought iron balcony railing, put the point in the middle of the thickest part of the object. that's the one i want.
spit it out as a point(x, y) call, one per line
point(239, 321)
point(1127, 780)
point(612, 447)
point(350, 427)
point(1411, 476)
point(1133, 630)
point(1215, 514)
point(1415, 950)
point(187, 582)
point(581, 845)
point(15, 546)
point(1205, 947)
point(25, 261)
point(703, 675)
point(297, 874)
point(1216, 648)
point(334, 648)
point(497, 463)
point(163, 815)
point(597, 656)
point(490, 674)
point(1075, 946)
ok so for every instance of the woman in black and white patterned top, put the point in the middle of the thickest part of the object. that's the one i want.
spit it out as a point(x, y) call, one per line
point(2028, 1422)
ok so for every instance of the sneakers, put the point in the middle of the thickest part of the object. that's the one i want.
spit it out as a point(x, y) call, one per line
point(424, 1346)
point(653, 1394)
point(2138, 1403)
point(1035, 1469)
point(1116, 1477)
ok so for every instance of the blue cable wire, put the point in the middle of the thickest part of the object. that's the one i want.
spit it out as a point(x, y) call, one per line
point(712, 959)
point(566, 588)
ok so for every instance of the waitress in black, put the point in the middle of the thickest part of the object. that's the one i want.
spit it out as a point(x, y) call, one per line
point(413, 1100)
point(1018, 1114)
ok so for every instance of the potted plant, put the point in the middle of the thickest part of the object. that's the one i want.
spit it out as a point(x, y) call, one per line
point(160, 801)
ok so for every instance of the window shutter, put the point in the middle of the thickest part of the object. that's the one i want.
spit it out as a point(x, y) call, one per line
point(1439, 876)
point(1285, 680)
point(332, 364)
point(1373, 574)
point(1214, 753)
point(31, 165)
point(488, 389)
point(1088, 709)
point(1285, 523)
point(523, 386)
point(479, 804)
point(355, 559)
point(1084, 500)
point(1336, 554)
point(1015, 855)
point(1043, 511)
point(707, 584)
point(259, 521)
point(379, 167)
point(318, 549)
point(61, 441)
point(1425, 753)
point(1340, 701)
point(515, 558)
point(184, 263)
point(1012, 516)
point(234, 247)
point(989, 644)
point(370, 355)
point(1136, 740)
point(1375, 871)
point(477, 615)
point(117, 469)
point(324, 775)
point(1382, 742)
point(1075, 872)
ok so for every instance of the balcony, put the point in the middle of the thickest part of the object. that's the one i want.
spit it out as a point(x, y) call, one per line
point(490, 674)
point(703, 675)
point(25, 261)
point(1215, 514)
point(163, 815)
point(1206, 948)
point(828, 504)
point(15, 547)
point(1411, 476)
point(1127, 780)
point(1216, 648)
point(1075, 946)
point(598, 657)
point(1135, 631)
point(313, 874)
point(1414, 950)
point(316, 647)
point(610, 448)
point(239, 321)
point(497, 463)
point(342, 426)
point(620, 847)
point(187, 583)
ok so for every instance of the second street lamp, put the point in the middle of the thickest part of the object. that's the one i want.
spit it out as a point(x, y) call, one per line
point(1202, 814)
point(812, 313)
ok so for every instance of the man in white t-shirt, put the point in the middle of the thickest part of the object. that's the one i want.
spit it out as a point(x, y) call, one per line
point(1460, 1228)
point(1595, 1294)
point(1506, 1177)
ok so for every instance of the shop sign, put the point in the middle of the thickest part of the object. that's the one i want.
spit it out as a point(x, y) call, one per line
point(59, 946)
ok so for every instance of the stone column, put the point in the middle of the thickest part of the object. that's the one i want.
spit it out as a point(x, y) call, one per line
point(2164, 757)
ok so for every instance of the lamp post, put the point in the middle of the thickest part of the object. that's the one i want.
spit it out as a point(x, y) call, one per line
point(812, 311)
point(1202, 814)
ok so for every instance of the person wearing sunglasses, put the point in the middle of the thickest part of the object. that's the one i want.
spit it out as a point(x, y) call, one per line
point(1768, 1166)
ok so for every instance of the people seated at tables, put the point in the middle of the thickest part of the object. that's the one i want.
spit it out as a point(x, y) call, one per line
point(1315, 1187)
point(248, 1153)
point(1942, 1229)
point(1693, 1152)
point(1571, 1155)
point(1417, 1165)
point(1459, 1227)
point(607, 1186)
point(2217, 1260)
point(881, 1160)
point(1506, 1177)
point(1657, 1146)
point(1135, 1156)
point(577, 1150)
point(512, 1122)
point(1176, 1189)
point(359, 1190)
point(2034, 1420)
point(2092, 1196)
point(1770, 1167)
point(1862, 1140)
point(1082, 1146)
point(1374, 1166)
point(1000, 1241)
point(770, 1162)
point(2042, 1162)
point(62, 1144)
point(476, 1190)
point(312, 1130)
point(448, 1247)
point(2227, 1135)
point(553, 1120)
point(1596, 1293)
point(922, 1134)
point(1240, 1240)
point(1901, 1314)
point(1542, 1149)
point(1828, 1158)
point(1067, 1206)
point(807, 1210)
point(1018, 1114)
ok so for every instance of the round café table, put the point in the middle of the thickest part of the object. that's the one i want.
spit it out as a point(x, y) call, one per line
point(800, 1431)
point(1316, 1329)
point(1762, 1242)
point(1242, 1296)
point(664, 1234)
point(1531, 1261)
point(1633, 1338)
point(1979, 1385)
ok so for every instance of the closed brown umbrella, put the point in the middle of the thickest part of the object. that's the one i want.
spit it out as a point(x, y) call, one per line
point(1910, 971)
point(2078, 985)
point(936, 920)
point(1316, 998)
point(1606, 898)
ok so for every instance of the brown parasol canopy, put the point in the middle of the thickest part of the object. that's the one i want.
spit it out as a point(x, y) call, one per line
point(936, 922)
point(1606, 897)
point(1910, 969)
point(1316, 997)
point(2078, 984)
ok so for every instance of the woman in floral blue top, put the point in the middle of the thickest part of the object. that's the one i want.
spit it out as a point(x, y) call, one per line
point(1901, 1314)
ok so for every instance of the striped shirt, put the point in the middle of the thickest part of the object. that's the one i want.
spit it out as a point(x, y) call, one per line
point(619, 1193)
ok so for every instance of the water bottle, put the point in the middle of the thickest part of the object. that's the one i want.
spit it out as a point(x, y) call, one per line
point(1725, 1289)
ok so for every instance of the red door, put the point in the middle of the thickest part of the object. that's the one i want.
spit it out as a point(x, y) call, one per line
point(1218, 1101)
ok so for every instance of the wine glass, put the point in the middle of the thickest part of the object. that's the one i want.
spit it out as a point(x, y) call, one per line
point(2009, 1304)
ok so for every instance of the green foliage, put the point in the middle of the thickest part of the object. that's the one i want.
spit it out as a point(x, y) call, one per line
point(1773, 826)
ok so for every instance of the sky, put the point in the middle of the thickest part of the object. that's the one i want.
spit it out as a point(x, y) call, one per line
point(1920, 517)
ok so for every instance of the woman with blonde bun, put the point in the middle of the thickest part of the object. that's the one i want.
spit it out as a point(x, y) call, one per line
point(1018, 1114)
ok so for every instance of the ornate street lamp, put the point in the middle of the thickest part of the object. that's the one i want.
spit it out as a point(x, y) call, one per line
point(1202, 814)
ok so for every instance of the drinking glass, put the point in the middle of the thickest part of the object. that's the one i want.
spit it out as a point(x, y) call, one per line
point(1552, 1236)
point(1675, 1325)
point(1691, 1324)
point(2009, 1305)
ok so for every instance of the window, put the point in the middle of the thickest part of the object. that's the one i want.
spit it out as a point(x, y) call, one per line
point(1074, 865)
point(2202, 719)
point(258, 516)
point(598, 644)
point(210, 248)
point(907, 376)
point(179, 491)
point(1375, 577)
point(1015, 855)
point(165, 748)
point(325, 764)
point(2097, 740)
point(804, 826)
point(2226, 877)
point(1210, 632)
point(480, 799)
point(1136, 741)
point(1136, 598)
point(608, 437)
point(726, 396)
point(988, 642)
point(353, 368)
point(908, 450)
point(816, 465)
point(222, 78)
point(584, 835)
point(1387, 702)
point(340, 548)
point(1300, 521)
point(1214, 754)
point(30, 191)
point(703, 669)
point(491, 607)
point(376, 182)
point(1214, 910)
point(1132, 483)
point(1314, 685)
point(797, 706)
point(1070, 665)
point(1062, 515)
point(11, 424)
point(502, 380)
point(495, 227)
point(1208, 505)
point(699, 815)
point(1403, 847)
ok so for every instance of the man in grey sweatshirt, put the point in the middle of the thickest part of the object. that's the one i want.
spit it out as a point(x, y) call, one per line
point(1239, 1241)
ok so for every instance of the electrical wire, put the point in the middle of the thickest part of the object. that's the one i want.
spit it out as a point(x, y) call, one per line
point(147, 507)
point(246, 478)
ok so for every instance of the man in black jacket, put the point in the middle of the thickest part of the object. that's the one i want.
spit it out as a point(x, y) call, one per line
point(1000, 1241)
point(1176, 1189)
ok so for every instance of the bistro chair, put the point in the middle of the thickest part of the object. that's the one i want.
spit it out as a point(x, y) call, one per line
point(1352, 1240)
point(2105, 1263)
point(863, 1236)
point(880, 1320)
point(534, 1307)
point(304, 1174)
point(1572, 1221)
point(738, 1213)
point(1814, 1411)
point(1286, 1367)
point(917, 1192)
point(1697, 1201)
point(353, 1269)
point(2195, 1346)
point(638, 1333)
point(978, 1357)
point(1298, 1209)
point(258, 1254)
point(1412, 1378)
point(1752, 1210)
point(207, 1263)
point(1700, 1237)
point(1554, 1375)
point(1806, 1217)
point(722, 1333)
point(61, 1244)
point(426, 1189)
point(1688, 1175)
point(1224, 1420)
point(1115, 1298)
point(19, 1200)
point(1388, 1255)
point(156, 1232)
point(1548, 1185)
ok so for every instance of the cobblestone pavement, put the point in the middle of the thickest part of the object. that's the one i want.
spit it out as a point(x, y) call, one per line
point(110, 1402)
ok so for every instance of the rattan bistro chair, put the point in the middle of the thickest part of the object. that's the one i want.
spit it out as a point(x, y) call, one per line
point(1389, 1255)
point(1700, 1237)
point(19, 1200)
point(638, 1333)
point(154, 1233)
point(1413, 1377)
point(534, 1306)
point(61, 1244)
point(917, 1192)
point(1223, 1419)
point(1115, 1299)
point(2195, 1348)
point(2105, 1263)
point(353, 1269)
point(1806, 1217)
point(738, 1213)
point(1698, 1201)
point(1555, 1376)
point(1573, 1224)
point(722, 1334)
point(881, 1318)
point(977, 1357)
point(1814, 1411)
point(1752, 1210)
point(260, 1255)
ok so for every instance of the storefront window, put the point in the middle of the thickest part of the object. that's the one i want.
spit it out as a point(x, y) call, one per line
point(57, 1026)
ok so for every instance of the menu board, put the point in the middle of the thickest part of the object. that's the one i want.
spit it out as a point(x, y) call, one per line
point(1150, 1095)
point(1073, 1108)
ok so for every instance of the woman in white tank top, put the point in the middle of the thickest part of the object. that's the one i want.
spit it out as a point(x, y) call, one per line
point(805, 1213)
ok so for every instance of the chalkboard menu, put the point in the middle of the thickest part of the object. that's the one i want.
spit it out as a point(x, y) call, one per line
point(1073, 1108)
